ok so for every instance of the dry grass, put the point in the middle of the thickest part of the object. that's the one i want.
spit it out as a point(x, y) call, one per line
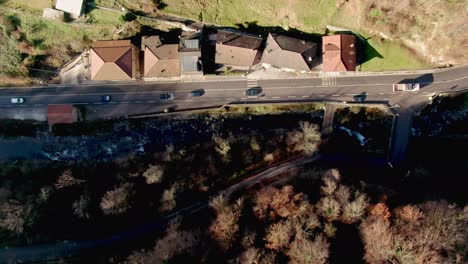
point(117, 201)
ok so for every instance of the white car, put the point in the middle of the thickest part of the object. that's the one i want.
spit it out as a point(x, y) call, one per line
point(17, 100)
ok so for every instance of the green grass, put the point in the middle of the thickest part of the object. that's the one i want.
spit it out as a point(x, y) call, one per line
point(30, 5)
point(394, 57)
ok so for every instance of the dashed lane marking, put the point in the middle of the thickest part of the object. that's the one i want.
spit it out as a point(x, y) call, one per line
point(292, 96)
point(305, 96)
point(336, 95)
point(276, 97)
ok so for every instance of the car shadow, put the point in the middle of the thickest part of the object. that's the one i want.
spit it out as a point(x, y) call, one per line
point(360, 97)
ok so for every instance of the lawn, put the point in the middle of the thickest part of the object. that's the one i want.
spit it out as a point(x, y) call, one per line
point(30, 5)
point(393, 57)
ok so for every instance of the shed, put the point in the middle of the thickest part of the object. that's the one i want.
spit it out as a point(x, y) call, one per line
point(74, 7)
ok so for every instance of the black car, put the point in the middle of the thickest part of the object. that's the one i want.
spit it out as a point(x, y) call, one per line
point(253, 91)
point(166, 96)
point(105, 98)
point(197, 93)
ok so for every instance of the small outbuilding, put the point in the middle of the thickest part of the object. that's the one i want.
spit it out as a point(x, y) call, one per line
point(73, 7)
point(53, 14)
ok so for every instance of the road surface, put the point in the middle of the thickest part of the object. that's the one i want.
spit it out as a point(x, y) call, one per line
point(134, 98)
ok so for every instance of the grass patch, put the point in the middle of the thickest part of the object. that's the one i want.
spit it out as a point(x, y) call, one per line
point(394, 57)
point(30, 5)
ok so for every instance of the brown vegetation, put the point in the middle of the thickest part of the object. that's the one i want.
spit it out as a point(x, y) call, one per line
point(117, 201)
point(13, 216)
point(176, 241)
point(432, 232)
point(225, 227)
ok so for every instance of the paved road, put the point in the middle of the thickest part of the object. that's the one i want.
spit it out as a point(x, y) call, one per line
point(145, 98)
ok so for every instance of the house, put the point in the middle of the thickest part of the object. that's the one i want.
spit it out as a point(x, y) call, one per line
point(160, 60)
point(289, 53)
point(237, 50)
point(113, 60)
point(73, 7)
point(62, 114)
point(339, 53)
point(190, 54)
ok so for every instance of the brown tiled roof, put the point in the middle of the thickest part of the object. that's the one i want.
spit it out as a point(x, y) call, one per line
point(339, 53)
point(238, 40)
point(237, 49)
point(287, 52)
point(60, 114)
point(162, 61)
point(111, 60)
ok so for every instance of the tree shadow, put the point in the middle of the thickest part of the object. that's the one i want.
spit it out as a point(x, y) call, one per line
point(423, 80)
point(347, 246)
point(160, 4)
point(364, 50)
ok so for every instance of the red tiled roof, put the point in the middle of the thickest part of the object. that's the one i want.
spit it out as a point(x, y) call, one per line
point(339, 53)
point(111, 60)
point(60, 114)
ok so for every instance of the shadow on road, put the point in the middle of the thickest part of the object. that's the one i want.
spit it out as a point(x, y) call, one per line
point(423, 80)
point(360, 97)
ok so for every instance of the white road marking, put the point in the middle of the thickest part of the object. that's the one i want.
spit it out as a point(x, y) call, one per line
point(336, 95)
point(276, 97)
point(292, 96)
point(97, 103)
point(305, 96)
point(229, 98)
point(352, 94)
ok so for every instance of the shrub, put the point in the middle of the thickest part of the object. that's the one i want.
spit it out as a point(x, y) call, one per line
point(127, 17)
point(154, 174)
point(117, 201)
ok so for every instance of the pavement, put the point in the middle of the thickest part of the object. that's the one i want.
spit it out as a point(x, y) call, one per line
point(133, 98)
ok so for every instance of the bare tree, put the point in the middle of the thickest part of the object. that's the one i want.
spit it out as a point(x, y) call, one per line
point(81, 207)
point(154, 174)
point(271, 202)
point(329, 208)
point(306, 139)
point(278, 235)
point(250, 256)
point(307, 251)
point(175, 242)
point(117, 201)
point(66, 179)
point(353, 211)
point(225, 227)
point(168, 201)
point(222, 147)
point(13, 216)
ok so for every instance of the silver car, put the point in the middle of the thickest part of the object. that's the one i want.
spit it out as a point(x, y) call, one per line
point(17, 100)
